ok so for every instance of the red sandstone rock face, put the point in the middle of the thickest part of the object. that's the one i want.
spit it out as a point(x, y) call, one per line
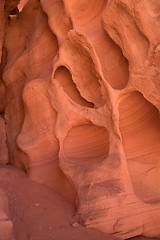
point(80, 99)
point(6, 225)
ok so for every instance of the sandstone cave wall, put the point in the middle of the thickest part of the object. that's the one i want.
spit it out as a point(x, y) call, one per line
point(80, 106)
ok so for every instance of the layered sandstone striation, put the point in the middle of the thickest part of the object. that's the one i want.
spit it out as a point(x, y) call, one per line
point(79, 106)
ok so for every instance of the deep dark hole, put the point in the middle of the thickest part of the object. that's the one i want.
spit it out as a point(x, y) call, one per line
point(14, 12)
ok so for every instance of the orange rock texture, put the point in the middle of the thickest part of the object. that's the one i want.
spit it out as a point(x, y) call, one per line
point(79, 105)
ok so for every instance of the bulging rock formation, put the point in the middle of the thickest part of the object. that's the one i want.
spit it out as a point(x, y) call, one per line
point(79, 109)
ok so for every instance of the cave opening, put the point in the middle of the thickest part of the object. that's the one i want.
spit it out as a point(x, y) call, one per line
point(64, 77)
point(86, 144)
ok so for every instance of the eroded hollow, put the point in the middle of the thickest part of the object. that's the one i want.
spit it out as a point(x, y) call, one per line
point(86, 12)
point(88, 18)
point(140, 129)
point(64, 77)
point(115, 66)
point(86, 144)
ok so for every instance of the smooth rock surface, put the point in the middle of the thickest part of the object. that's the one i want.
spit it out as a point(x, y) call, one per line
point(42, 214)
point(6, 225)
point(79, 96)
